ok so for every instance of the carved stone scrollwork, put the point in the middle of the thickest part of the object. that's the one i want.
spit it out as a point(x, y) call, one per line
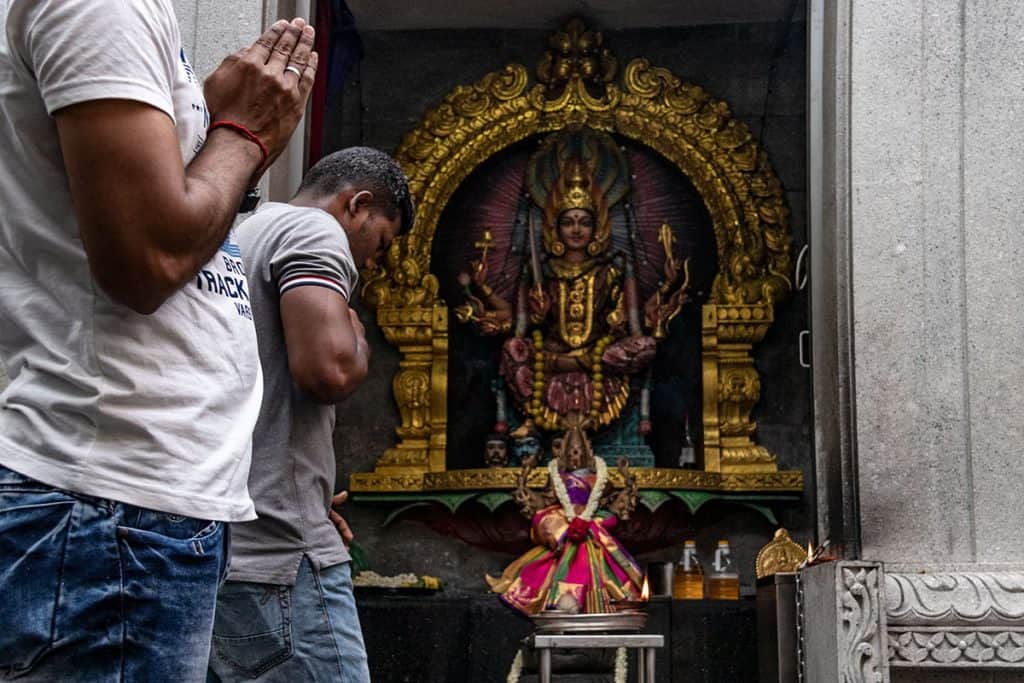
point(989, 648)
point(956, 619)
point(841, 622)
point(861, 639)
point(962, 598)
point(576, 85)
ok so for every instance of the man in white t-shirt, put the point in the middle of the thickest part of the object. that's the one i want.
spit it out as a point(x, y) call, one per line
point(127, 334)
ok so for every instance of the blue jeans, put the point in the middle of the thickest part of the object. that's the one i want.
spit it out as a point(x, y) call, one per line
point(306, 632)
point(94, 590)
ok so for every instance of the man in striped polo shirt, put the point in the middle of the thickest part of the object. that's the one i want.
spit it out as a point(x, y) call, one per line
point(287, 611)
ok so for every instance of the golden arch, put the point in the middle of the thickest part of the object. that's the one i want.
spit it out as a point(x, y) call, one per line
point(681, 122)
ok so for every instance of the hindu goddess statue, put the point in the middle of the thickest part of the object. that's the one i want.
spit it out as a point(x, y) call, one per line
point(577, 565)
point(575, 324)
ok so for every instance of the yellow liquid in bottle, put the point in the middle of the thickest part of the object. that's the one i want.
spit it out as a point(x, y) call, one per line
point(724, 587)
point(687, 585)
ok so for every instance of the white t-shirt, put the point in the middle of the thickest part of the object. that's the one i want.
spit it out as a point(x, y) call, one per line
point(155, 411)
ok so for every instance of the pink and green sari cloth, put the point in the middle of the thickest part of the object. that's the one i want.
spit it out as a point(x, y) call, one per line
point(593, 570)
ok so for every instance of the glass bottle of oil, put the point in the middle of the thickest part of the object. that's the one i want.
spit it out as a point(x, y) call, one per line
point(723, 579)
point(688, 579)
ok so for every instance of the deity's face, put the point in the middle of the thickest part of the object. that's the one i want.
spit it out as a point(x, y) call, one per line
point(497, 452)
point(526, 446)
point(574, 454)
point(576, 229)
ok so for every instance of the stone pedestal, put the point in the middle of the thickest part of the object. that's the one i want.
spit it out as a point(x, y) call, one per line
point(777, 660)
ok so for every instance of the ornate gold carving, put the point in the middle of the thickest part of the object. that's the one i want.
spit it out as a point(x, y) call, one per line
point(657, 478)
point(491, 478)
point(646, 478)
point(732, 387)
point(576, 86)
point(375, 482)
point(504, 478)
point(405, 459)
point(576, 52)
point(781, 554)
point(412, 391)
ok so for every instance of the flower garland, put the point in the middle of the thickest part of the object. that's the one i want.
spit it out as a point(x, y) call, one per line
point(621, 665)
point(517, 668)
point(536, 405)
point(595, 493)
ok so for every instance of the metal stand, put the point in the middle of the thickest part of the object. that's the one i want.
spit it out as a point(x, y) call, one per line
point(644, 644)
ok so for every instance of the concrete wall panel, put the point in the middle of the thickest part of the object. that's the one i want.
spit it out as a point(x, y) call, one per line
point(908, 281)
point(994, 248)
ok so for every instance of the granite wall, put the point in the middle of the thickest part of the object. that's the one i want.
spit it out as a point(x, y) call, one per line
point(937, 194)
point(936, 191)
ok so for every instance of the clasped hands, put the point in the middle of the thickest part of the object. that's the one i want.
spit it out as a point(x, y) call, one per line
point(264, 87)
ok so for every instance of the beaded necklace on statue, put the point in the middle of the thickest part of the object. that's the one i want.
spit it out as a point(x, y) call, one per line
point(536, 405)
point(595, 493)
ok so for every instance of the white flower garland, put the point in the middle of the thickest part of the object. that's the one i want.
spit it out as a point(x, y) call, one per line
point(517, 668)
point(620, 665)
point(595, 493)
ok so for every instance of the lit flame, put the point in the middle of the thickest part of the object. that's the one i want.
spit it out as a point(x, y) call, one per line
point(810, 552)
point(645, 592)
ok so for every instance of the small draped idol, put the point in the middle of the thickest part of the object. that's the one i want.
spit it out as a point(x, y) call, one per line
point(577, 564)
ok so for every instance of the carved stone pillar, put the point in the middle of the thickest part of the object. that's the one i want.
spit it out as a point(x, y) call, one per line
point(841, 622)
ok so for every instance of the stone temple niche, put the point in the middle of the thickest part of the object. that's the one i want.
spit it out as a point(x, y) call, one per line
point(601, 268)
point(651, 337)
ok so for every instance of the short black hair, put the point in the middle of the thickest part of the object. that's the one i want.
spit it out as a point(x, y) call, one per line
point(364, 168)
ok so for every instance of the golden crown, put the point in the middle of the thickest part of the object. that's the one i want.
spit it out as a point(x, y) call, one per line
point(577, 191)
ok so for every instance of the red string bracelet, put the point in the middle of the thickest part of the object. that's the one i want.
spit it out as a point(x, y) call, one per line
point(245, 133)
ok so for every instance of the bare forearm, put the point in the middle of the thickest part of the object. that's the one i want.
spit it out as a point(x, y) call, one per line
point(327, 351)
point(179, 242)
point(148, 224)
point(339, 379)
point(214, 184)
point(500, 305)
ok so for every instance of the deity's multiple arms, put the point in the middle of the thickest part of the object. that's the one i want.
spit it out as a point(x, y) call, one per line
point(490, 312)
point(530, 502)
point(671, 295)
